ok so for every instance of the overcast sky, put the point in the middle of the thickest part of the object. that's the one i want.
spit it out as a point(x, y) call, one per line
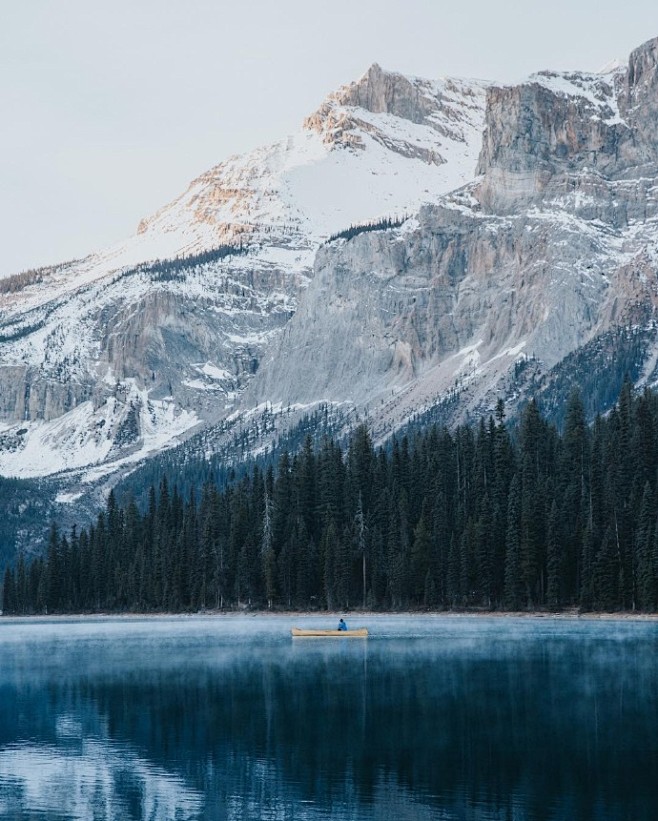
point(109, 108)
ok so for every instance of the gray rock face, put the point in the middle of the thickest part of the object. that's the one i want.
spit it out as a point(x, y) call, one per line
point(25, 396)
point(410, 312)
point(572, 129)
point(638, 97)
point(451, 108)
point(416, 100)
point(554, 243)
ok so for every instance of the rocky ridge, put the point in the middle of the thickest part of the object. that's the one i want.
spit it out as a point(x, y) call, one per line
point(118, 355)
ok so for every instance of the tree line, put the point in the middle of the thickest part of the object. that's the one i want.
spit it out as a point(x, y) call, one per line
point(486, 516)
point(362, 228)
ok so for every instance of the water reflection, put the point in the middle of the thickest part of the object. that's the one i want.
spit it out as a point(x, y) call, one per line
point(230, 719)
point(89, 779)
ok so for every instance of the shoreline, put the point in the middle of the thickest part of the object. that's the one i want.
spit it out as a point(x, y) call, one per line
point(565, 615)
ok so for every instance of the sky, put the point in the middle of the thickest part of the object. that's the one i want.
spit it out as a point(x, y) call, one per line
point(108, 109)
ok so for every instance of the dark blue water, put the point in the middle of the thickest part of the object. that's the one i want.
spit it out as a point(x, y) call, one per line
point(229, 718)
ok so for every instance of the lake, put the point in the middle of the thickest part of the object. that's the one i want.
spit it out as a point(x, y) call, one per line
point(437, 717)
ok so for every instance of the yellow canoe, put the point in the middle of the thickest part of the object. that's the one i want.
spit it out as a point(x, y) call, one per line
point(360, 632)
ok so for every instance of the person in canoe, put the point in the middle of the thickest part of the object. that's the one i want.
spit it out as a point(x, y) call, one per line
point(342, 625)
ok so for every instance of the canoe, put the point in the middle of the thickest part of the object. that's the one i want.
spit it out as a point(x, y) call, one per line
point(360, 632)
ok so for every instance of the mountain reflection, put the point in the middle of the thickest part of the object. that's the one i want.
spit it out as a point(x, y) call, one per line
point(477, 722)
point(91, 779)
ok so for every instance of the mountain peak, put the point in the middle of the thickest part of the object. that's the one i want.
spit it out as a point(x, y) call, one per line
point(385, 92)
point(373, 70)
point(611, 66)
point(441, 105)
point(643, 64)
point(649, 46)
point(375, 73)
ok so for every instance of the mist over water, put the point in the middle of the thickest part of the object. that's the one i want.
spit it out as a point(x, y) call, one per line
point(230, 718)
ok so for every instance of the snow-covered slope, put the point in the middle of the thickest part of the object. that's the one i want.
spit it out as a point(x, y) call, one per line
point(355, 159)
point(109, 358)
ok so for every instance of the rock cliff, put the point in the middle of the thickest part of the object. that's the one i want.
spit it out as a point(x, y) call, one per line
point(554, 243)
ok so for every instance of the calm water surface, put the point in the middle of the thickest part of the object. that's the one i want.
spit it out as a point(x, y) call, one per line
point(229, 718)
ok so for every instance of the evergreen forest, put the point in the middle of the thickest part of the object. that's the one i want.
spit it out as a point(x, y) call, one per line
point(488, 516)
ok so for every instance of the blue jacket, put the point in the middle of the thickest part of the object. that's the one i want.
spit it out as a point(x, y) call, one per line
point(342, 625)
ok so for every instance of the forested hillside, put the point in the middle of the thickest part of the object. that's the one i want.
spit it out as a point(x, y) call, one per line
point(26, 508)
point(482, 517)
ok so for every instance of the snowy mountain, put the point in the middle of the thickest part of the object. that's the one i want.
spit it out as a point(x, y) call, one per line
point(112, 357)
point(515, 251)
point(539, 274)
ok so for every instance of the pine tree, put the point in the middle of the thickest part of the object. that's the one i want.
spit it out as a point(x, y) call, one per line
point(8, 593)
point(484, 552)
point(54, 580)
point(574, 475)
point(513, 578)
point(328, 553)
point(21, 604)
point(644, 569)
point(343, 570)
point(307, 488)
point(420, 561)
point(454, 592)
point(554, 560)
point(268, 557)
point(530, 544)
point(606, 574)
point(361, 546)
